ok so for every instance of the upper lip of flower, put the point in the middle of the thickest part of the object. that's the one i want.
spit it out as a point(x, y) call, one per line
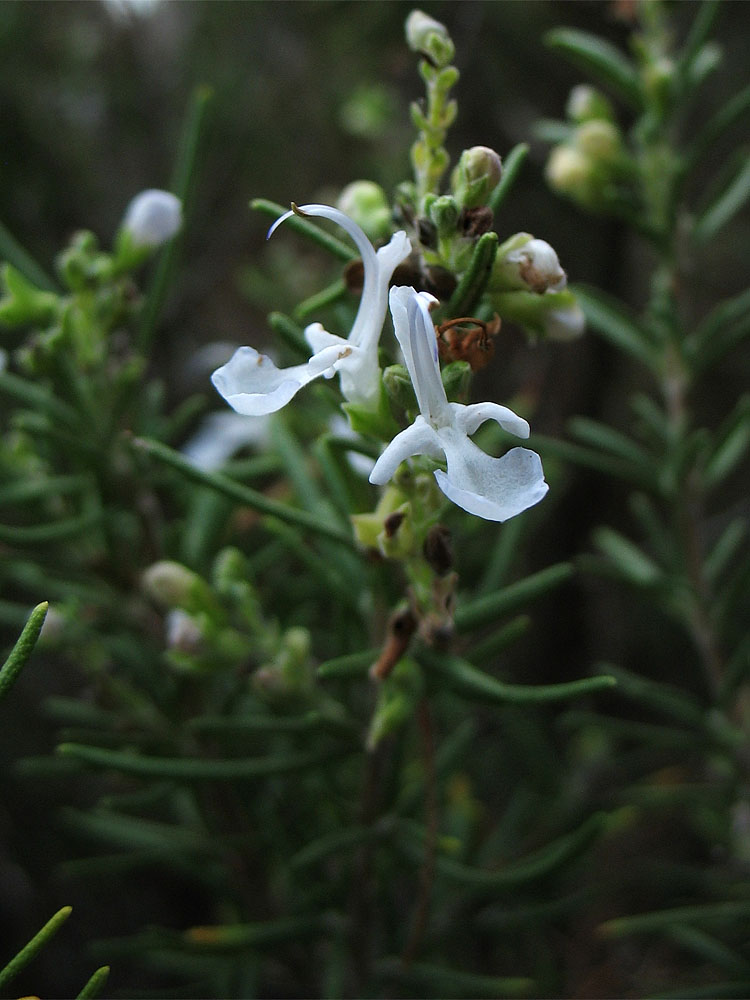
point(493, 488)
point(252, 384)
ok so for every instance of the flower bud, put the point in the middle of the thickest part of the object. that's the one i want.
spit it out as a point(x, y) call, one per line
point(565, 322)
point(429, 38)
point(399, 388)
point(183, 633)
point(478, 173)
point(152, 217)
point(554, 315)
point(599, 141)
point(366, 204)
point(523, 262)
point(443, 212)
point(456, 377)
point(175, 586)
point(586, 103)
point(570, 172)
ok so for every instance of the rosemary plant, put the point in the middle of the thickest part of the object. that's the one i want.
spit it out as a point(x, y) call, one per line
point(293, 632)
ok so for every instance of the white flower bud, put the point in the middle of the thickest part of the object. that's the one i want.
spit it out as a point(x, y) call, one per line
point(429, 37)
point(566, 323)
point(527, 263)
point(152, 217)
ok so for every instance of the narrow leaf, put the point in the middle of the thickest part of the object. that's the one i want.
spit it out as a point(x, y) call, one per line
point(195, 769)
point(730, 200)
point(708, 947)
point(12, 251)
point(733, 111)
point(351, 665)
point(243, 495)
point(30, 950)
point(662, 697)
point(245, 937)
point(183, 182)
point(732, 913)
point(601, 59)
point(731, 444)
point(55, 531)
point(512, 164)
point(487, 609)
point(323, 299)
point(42, 487)
point(33, 395)
point(609, 440)
point(606, 315)
point(95, 985)
point(478, 686)
point(723, 328)
point(498, 640)
point(700, 32)
point(725, 548)
point(290, 333)
point(336, 843)
point(426, 979)
point(23, 649)
point(627, 558)
point(534, 866)
point(473, 282)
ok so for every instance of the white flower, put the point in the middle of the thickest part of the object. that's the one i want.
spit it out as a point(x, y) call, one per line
point(220, 435)
point(252, 384)
point(152, 217)
point(493, 488)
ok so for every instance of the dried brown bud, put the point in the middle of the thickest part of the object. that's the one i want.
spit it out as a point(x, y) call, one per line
point(438, 549)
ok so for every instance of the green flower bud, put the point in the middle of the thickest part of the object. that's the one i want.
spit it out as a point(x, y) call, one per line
point(570, 172)
point(175, 586)
point(429, 38)
point(289, 675)
point(599, 141)
point(366, 204)
point(477, 174)
point(555, 315)
point(456, 378)
point(399, 388)
point(586, 103)
point(444, 212)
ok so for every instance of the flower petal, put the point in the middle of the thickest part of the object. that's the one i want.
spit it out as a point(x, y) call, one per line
point(252, 384)
point(469, 418)
point(493, 488)
point(416, 335)
point(419, 439)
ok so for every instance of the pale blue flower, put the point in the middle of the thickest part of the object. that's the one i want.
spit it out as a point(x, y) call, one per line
point(493, 488)
point(252, 384)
